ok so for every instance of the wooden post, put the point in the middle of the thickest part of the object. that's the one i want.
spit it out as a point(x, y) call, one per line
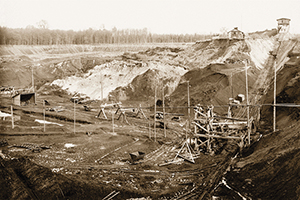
point(186, 127)
point(164, 113)
point(101, 83)
point(155, 114)
point(44, 115)
point(113, 125)
point(74, 115)
point(33, 85)
point(248, 111)
point(274, 108)
point(189, 109)
point(231, 85)
point(32, 81)
point(12, 117)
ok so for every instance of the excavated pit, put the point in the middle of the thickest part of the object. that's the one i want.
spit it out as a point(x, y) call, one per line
point(99, 163)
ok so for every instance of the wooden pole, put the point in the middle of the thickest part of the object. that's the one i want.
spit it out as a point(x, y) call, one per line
point(113, 125)
point(186, 129)
point(33, 84)
point(164, 112)
point(74, 115)
point(248, 110)
point(44, 115)
point(101, 83)
point(274, 107)
point(231, 85)
point(12, 117)
point(32, 78)
point(155, 114)
point(189, 109)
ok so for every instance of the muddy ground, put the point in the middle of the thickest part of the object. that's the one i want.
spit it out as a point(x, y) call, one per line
point(101, 159)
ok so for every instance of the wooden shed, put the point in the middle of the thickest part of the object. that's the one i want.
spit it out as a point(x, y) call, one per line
point(24, 99)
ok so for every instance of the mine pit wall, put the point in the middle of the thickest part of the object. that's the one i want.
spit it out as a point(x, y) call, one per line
point(259, 50)
point(287, 85)
point(17, 50)
point(130, 78)
point(282, 49)
point(49, 50)
point(46, 71)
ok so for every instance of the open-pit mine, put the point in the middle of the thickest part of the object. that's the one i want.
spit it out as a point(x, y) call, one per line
point(157, 121)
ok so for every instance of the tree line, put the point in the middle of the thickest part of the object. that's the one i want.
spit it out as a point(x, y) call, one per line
point(43, 36)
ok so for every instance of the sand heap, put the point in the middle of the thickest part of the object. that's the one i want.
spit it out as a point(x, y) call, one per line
point(110, 76)
point(142, 87)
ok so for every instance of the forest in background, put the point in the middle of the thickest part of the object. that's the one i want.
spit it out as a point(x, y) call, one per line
point(43, 36)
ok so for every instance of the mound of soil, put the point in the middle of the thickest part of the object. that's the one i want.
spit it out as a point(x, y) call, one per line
point(212, 85)
point(23, 179)
point(143, 86)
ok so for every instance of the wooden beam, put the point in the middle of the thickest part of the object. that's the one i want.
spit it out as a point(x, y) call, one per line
point(219, 136)
point(229, 123)
point(274, 108)
point(201, 127)
point(204, 115)
point(247, 98)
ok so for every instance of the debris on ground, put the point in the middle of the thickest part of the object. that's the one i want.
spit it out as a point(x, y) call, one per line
point(3, 142)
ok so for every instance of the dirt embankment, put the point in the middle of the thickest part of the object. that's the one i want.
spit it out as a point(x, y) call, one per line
point(217, 82)
point(286, 87)
point(143, 86)
point(269, 169)
point(209, 84)
point(23, 179)
point(39, 51)
point(17, 71)
point(116, 74)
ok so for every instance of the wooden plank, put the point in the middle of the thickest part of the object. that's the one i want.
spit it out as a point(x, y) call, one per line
point(219, 136)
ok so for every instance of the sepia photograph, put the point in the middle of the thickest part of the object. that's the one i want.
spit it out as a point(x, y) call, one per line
point(149, 99)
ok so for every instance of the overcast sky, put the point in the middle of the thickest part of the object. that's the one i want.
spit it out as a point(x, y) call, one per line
point(158, 16)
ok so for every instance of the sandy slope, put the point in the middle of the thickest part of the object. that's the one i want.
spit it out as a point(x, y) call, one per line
point(259, 50)
point(112, 75)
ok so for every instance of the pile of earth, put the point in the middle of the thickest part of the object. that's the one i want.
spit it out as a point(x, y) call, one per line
point(118, 74)
point(204, 53)
point(23, 179)
point(142, 87)
point(212, 85)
